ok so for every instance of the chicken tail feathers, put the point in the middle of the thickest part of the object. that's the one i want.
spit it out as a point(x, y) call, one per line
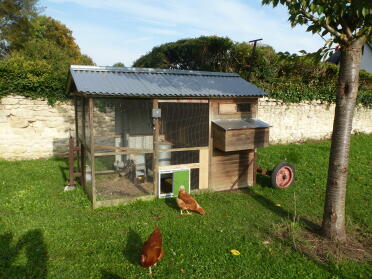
point(200, 210)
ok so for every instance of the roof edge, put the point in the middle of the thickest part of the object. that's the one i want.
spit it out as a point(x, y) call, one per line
point(149, 71)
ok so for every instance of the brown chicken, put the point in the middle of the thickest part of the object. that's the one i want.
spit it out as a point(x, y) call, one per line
point(152, 251)
point(186, 202)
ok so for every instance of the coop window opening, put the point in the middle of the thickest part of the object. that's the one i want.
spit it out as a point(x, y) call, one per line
point(243, 107)
point(234, 108)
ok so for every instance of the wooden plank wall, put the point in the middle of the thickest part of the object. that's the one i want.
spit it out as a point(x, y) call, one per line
point(236, 169)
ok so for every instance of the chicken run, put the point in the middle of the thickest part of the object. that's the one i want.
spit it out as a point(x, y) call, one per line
point(146, 133)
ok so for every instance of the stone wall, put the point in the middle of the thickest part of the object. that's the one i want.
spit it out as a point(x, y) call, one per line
point(31, 129)
point(306, 120)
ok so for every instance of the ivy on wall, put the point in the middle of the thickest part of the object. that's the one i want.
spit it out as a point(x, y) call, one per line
point(311, 87)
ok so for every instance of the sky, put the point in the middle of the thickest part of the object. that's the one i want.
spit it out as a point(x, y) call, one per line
point(111, 31)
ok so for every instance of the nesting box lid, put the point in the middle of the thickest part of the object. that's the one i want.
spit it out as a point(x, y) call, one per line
point(239, 124)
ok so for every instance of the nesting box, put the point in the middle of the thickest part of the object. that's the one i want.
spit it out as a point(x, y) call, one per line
point(240, 134)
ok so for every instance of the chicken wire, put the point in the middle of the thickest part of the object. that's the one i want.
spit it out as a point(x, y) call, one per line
point(123, 125)
point(126, 126)
point(184, 124)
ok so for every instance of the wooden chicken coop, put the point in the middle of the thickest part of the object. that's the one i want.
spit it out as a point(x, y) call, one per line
point(142, 133)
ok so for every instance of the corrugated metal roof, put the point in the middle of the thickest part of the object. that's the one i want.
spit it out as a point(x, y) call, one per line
point(238, 124)
point(145, 82)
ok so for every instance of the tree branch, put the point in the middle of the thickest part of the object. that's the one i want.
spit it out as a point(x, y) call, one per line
point(330, 29)
point(362, 39)
point(367, 31)
point(314, 19)
point(346, 28)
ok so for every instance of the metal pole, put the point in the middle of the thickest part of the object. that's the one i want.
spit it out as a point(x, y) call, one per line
point(252, 57)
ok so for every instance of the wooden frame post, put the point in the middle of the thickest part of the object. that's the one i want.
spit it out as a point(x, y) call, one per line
point(210, 143)
point(204, 168)
point(91, 135)
point(82, 144)
point(155, 164)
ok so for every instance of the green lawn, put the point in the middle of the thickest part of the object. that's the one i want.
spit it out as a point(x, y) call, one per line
point(47, 233)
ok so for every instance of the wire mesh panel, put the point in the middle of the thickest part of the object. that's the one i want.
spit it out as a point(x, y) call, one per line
point(184, 124)
point(79, 115)
point(79, 129)
point(87, 129)
point(123, 147)
point(133, 179)
point(88, 175)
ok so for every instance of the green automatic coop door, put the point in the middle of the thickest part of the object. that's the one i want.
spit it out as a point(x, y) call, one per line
point(170, 182)
point(181, 177)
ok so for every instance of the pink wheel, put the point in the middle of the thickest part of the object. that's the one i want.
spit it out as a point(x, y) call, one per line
point(282, 175)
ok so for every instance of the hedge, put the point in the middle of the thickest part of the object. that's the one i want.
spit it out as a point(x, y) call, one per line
point(293, 83)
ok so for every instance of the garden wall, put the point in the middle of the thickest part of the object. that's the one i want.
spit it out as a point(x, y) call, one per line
point(31, 129)
point(298, 122)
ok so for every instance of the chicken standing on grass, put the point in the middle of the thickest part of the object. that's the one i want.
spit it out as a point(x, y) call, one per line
point(186, 202)
point(152, 251)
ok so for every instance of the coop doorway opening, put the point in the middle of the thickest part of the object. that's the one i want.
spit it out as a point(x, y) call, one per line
point(170, 182)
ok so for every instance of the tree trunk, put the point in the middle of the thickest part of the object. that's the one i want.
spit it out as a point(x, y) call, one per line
point(333, 226)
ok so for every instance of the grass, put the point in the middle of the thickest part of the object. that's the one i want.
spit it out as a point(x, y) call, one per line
point(48, 233)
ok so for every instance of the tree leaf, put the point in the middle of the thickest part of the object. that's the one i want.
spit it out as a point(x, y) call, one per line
point(364, 12)
point(324, 32)
point(320, 9)
point(310, 28)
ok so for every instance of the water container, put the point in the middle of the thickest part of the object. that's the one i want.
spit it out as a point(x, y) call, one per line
point(165, 157)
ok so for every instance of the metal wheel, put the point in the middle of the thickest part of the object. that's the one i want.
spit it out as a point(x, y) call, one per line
point(282, 175)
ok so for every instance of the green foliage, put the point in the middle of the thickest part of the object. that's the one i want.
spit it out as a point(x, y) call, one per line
point(15, 23)
point(51, 30)
point(64, 237)
point(118, 64)
point(38, 71)
point(345, 21)
point(283, 76)
point(37, 61)
point(203, 53)
point(303, 78)
point(32, 78)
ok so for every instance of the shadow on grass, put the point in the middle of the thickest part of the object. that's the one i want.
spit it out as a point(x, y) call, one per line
point(109, 275)
point(309, 225)
point(63, 167)
point(64, 170)
point(285, 237)
point(35, 251)
point(171, 202)
point(132, 250)
point(263, 180)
